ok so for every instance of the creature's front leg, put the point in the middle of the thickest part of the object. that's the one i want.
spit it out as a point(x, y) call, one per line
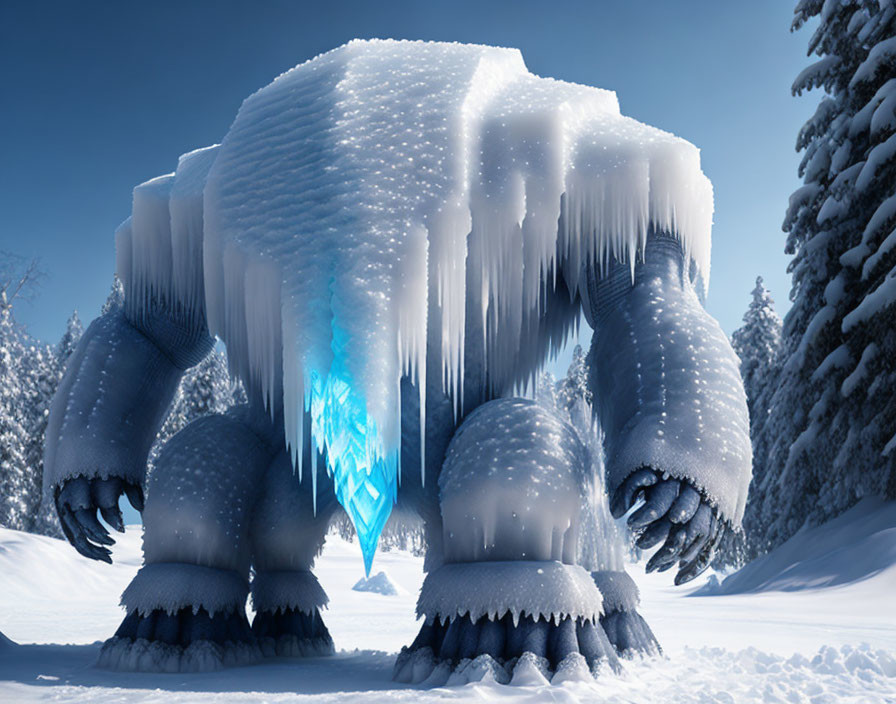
point(186, 607)
point(672, 408)
point(106, 413)
point(509, 600)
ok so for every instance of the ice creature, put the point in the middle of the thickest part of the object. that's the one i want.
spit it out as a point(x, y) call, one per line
point(390, 240)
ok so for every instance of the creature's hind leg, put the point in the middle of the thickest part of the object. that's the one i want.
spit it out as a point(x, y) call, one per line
point(186, 608)
point(624, 626)
point(509, 600)
point(286, 536)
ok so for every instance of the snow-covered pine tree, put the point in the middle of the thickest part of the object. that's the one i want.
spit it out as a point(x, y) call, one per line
point(831, 429)
point(46, 369)
point(115, 299)
point(14, 474)
point(41, 372)
point(546, 391)
point(757, 343)
point(73, 331)
point(29, 374)
point(573, 389)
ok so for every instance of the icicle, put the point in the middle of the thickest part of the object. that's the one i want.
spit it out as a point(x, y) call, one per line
point(421, 389)
point(314, 452)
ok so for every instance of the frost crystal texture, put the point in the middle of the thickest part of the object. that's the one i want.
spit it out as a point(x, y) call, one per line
point(352, 200)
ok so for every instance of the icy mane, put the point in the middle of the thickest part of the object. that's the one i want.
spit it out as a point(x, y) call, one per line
point(363, 181)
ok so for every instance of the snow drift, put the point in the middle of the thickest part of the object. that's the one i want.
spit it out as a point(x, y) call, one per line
point(784, 646)
point(855, 546)
point(367, 202)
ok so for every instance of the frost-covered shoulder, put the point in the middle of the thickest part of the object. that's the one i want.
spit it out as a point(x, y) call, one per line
point(159, 248)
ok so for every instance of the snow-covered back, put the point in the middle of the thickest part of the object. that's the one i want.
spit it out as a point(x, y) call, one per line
point(381, 177)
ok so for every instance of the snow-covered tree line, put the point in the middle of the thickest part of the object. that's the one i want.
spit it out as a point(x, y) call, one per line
point(29, 374)
point(824, 415)
point(758, 345)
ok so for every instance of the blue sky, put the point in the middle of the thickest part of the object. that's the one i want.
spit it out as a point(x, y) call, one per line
point(99, 96)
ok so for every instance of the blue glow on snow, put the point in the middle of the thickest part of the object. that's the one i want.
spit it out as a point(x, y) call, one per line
point(366, 482)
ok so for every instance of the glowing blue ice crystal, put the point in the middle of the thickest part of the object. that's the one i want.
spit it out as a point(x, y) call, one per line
point(366, 482)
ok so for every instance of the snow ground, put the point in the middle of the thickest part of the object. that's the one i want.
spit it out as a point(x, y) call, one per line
point(801, 645)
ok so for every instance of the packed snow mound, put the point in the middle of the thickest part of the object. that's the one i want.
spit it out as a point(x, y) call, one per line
point(857, 545)
point(365, 201)
point(380, 583)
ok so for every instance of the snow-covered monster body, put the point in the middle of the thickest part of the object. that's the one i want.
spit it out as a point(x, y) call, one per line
point(390, 241)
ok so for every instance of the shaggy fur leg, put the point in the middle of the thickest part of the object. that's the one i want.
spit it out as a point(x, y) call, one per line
point(500, 648)
point(292, 634)
point(187, 604)
point(509, 602)
point(624, 626)
point(286, 535)
point(183, 641)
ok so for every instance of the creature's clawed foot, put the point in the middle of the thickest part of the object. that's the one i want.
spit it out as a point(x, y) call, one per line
point(180, 642)
point(292, 633)
point(525, 651)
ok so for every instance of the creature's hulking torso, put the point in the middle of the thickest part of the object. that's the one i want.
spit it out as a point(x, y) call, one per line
point(399, 209)
point(389, 228)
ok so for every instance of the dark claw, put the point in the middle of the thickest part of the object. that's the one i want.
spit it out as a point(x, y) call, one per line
point(626, 493)
point(105, 494)
point(659, 499)
point(685, 505)
point(666, 566)
point(112, 516)
point(655, 533)
point(135, 496)
point(666, 556)
point(92, 527)
point(77, 501)
point(698, 527)
point(74, 532)
point(62, 511)
point(696, 567)
point(702, 534)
